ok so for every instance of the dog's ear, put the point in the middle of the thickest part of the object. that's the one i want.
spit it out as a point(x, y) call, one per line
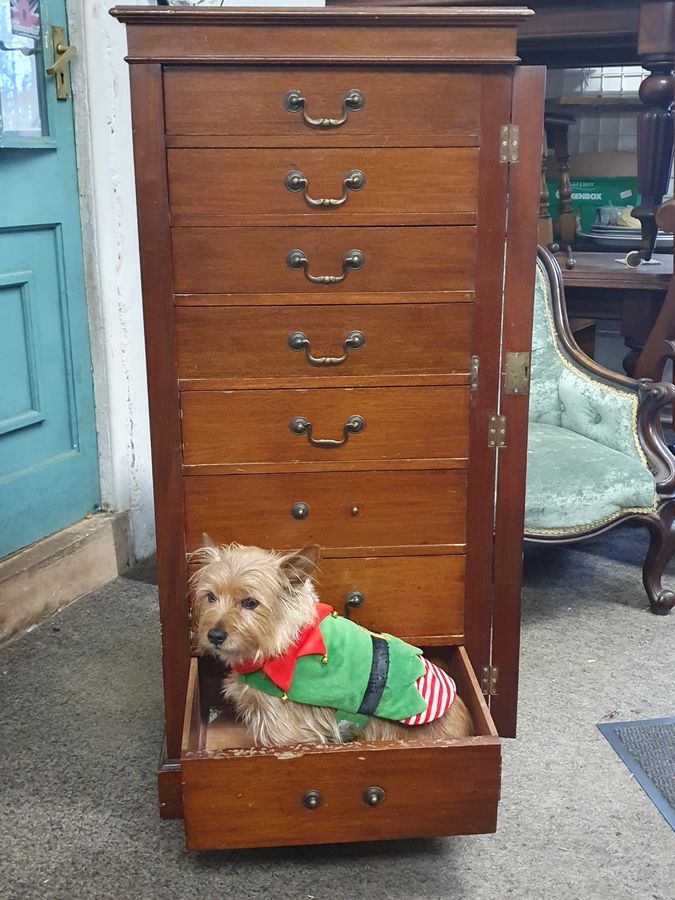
point(207, 542)
point(301, 564)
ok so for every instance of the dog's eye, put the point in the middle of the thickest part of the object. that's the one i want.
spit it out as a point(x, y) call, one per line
point(211, 597)
point(249, 603)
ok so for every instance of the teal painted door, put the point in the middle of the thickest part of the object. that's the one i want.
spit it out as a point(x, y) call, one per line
point(48, 454)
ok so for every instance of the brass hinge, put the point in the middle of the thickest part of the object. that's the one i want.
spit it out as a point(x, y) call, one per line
point(517, 373)
point(509, 143)
point(497, 431)
point(488, 680)
point(473, 379)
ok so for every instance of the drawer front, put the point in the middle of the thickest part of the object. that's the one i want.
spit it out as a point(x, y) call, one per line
point(256, 260)
point(277, 184)
point(429, 106)
point(335, 424)
point(238, 796)
point(420, 598)
point(393, 509)
point(410, 339)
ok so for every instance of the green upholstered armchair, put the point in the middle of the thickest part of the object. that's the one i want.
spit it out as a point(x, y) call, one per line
point(596, 454)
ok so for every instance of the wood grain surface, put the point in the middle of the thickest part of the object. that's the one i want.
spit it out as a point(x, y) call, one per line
point(427, 186)
point(253, 260)
point(419, 598)
point(201, 100)
point(254, 426)
point(414, 339)
point(253, 797)
point(424, 509)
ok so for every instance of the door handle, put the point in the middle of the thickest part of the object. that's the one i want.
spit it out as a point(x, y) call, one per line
point(63, 54)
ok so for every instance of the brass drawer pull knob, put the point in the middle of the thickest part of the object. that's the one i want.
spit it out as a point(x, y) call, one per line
point(312, 800)
point(298, 341)
point(353, 425)
point(300, 511)
point(373, 796)
point(352, 261)
point(353, 181)
point(352, 101)
point(354, 599)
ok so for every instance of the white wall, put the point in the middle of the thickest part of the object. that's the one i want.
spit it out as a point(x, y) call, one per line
point(106, 181)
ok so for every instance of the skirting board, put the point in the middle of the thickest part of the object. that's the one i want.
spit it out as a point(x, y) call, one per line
point(43, 578)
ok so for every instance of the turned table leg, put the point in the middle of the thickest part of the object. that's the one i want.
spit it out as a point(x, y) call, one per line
point(656, 49)
point(557, 128)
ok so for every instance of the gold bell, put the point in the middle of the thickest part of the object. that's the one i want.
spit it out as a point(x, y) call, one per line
point(284, 697)
point(335, 614)
point(324, 660)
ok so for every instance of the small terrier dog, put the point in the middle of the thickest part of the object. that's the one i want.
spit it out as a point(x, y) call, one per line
point(252, 606)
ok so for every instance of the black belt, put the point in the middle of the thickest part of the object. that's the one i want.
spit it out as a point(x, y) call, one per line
point(379, 672)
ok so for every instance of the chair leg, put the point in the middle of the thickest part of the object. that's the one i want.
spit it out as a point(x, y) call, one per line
point(661, 548)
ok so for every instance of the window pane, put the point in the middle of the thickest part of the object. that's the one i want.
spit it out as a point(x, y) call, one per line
point(20, 63)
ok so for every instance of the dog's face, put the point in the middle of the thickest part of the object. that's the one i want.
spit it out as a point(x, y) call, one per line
point(250, 603)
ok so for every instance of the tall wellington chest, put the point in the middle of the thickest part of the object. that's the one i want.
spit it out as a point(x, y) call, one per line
point(337, 217)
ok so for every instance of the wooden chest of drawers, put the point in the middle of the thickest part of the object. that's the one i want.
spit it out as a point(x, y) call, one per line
point(337, 227)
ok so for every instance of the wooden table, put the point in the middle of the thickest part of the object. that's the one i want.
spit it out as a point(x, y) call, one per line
point(600, 288)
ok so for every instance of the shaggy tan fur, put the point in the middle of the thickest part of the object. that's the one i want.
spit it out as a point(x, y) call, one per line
point(282, 588)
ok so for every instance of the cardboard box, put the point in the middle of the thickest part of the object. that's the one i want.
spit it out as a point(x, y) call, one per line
point(589, 194)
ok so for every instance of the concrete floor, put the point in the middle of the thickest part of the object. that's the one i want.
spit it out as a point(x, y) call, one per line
point(80, 731)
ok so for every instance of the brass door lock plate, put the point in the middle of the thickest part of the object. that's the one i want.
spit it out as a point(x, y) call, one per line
point(60, 68)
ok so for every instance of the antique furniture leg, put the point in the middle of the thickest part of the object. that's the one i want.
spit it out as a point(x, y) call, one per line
point(557, 128)
point(656, 48)
point(545, 227)
point(660, 345)
point(661, 549)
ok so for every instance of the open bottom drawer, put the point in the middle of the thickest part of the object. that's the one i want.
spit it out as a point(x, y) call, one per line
point(236, 795)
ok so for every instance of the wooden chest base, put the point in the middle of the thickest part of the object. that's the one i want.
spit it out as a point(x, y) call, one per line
point(236, 795)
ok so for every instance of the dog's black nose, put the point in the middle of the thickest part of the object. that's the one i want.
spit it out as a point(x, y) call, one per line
point(216, 636)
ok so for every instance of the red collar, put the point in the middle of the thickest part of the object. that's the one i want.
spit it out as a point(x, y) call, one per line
point(279, 669)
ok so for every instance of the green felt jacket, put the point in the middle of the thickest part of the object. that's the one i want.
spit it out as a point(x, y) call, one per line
point(339, 679)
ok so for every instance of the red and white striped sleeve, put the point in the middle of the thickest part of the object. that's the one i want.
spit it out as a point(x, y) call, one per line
point(438, 692)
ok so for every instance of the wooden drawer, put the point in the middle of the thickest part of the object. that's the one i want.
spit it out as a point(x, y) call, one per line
point(235, 795)
point(255, 260)
point(262, 427)
point(221, 343)
point(421, 107)
point(421, 509)
point(405, 185)
point(419, 598)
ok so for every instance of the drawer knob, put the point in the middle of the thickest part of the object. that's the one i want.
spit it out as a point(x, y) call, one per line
point(354, 599)
point(353, 260)
point(312, 799)
point(373, 796)
point(298, 341)
point(300, 511)
point(353, 181)
point(352, 101)
point(353, 425)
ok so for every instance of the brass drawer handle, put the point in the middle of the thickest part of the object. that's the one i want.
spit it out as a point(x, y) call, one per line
point(352, 101)
point(297, 341)
point(353, 260)
point(353, 425)
point(353, 181)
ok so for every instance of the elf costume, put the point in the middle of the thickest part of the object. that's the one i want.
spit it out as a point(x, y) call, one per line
point(338, 664)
